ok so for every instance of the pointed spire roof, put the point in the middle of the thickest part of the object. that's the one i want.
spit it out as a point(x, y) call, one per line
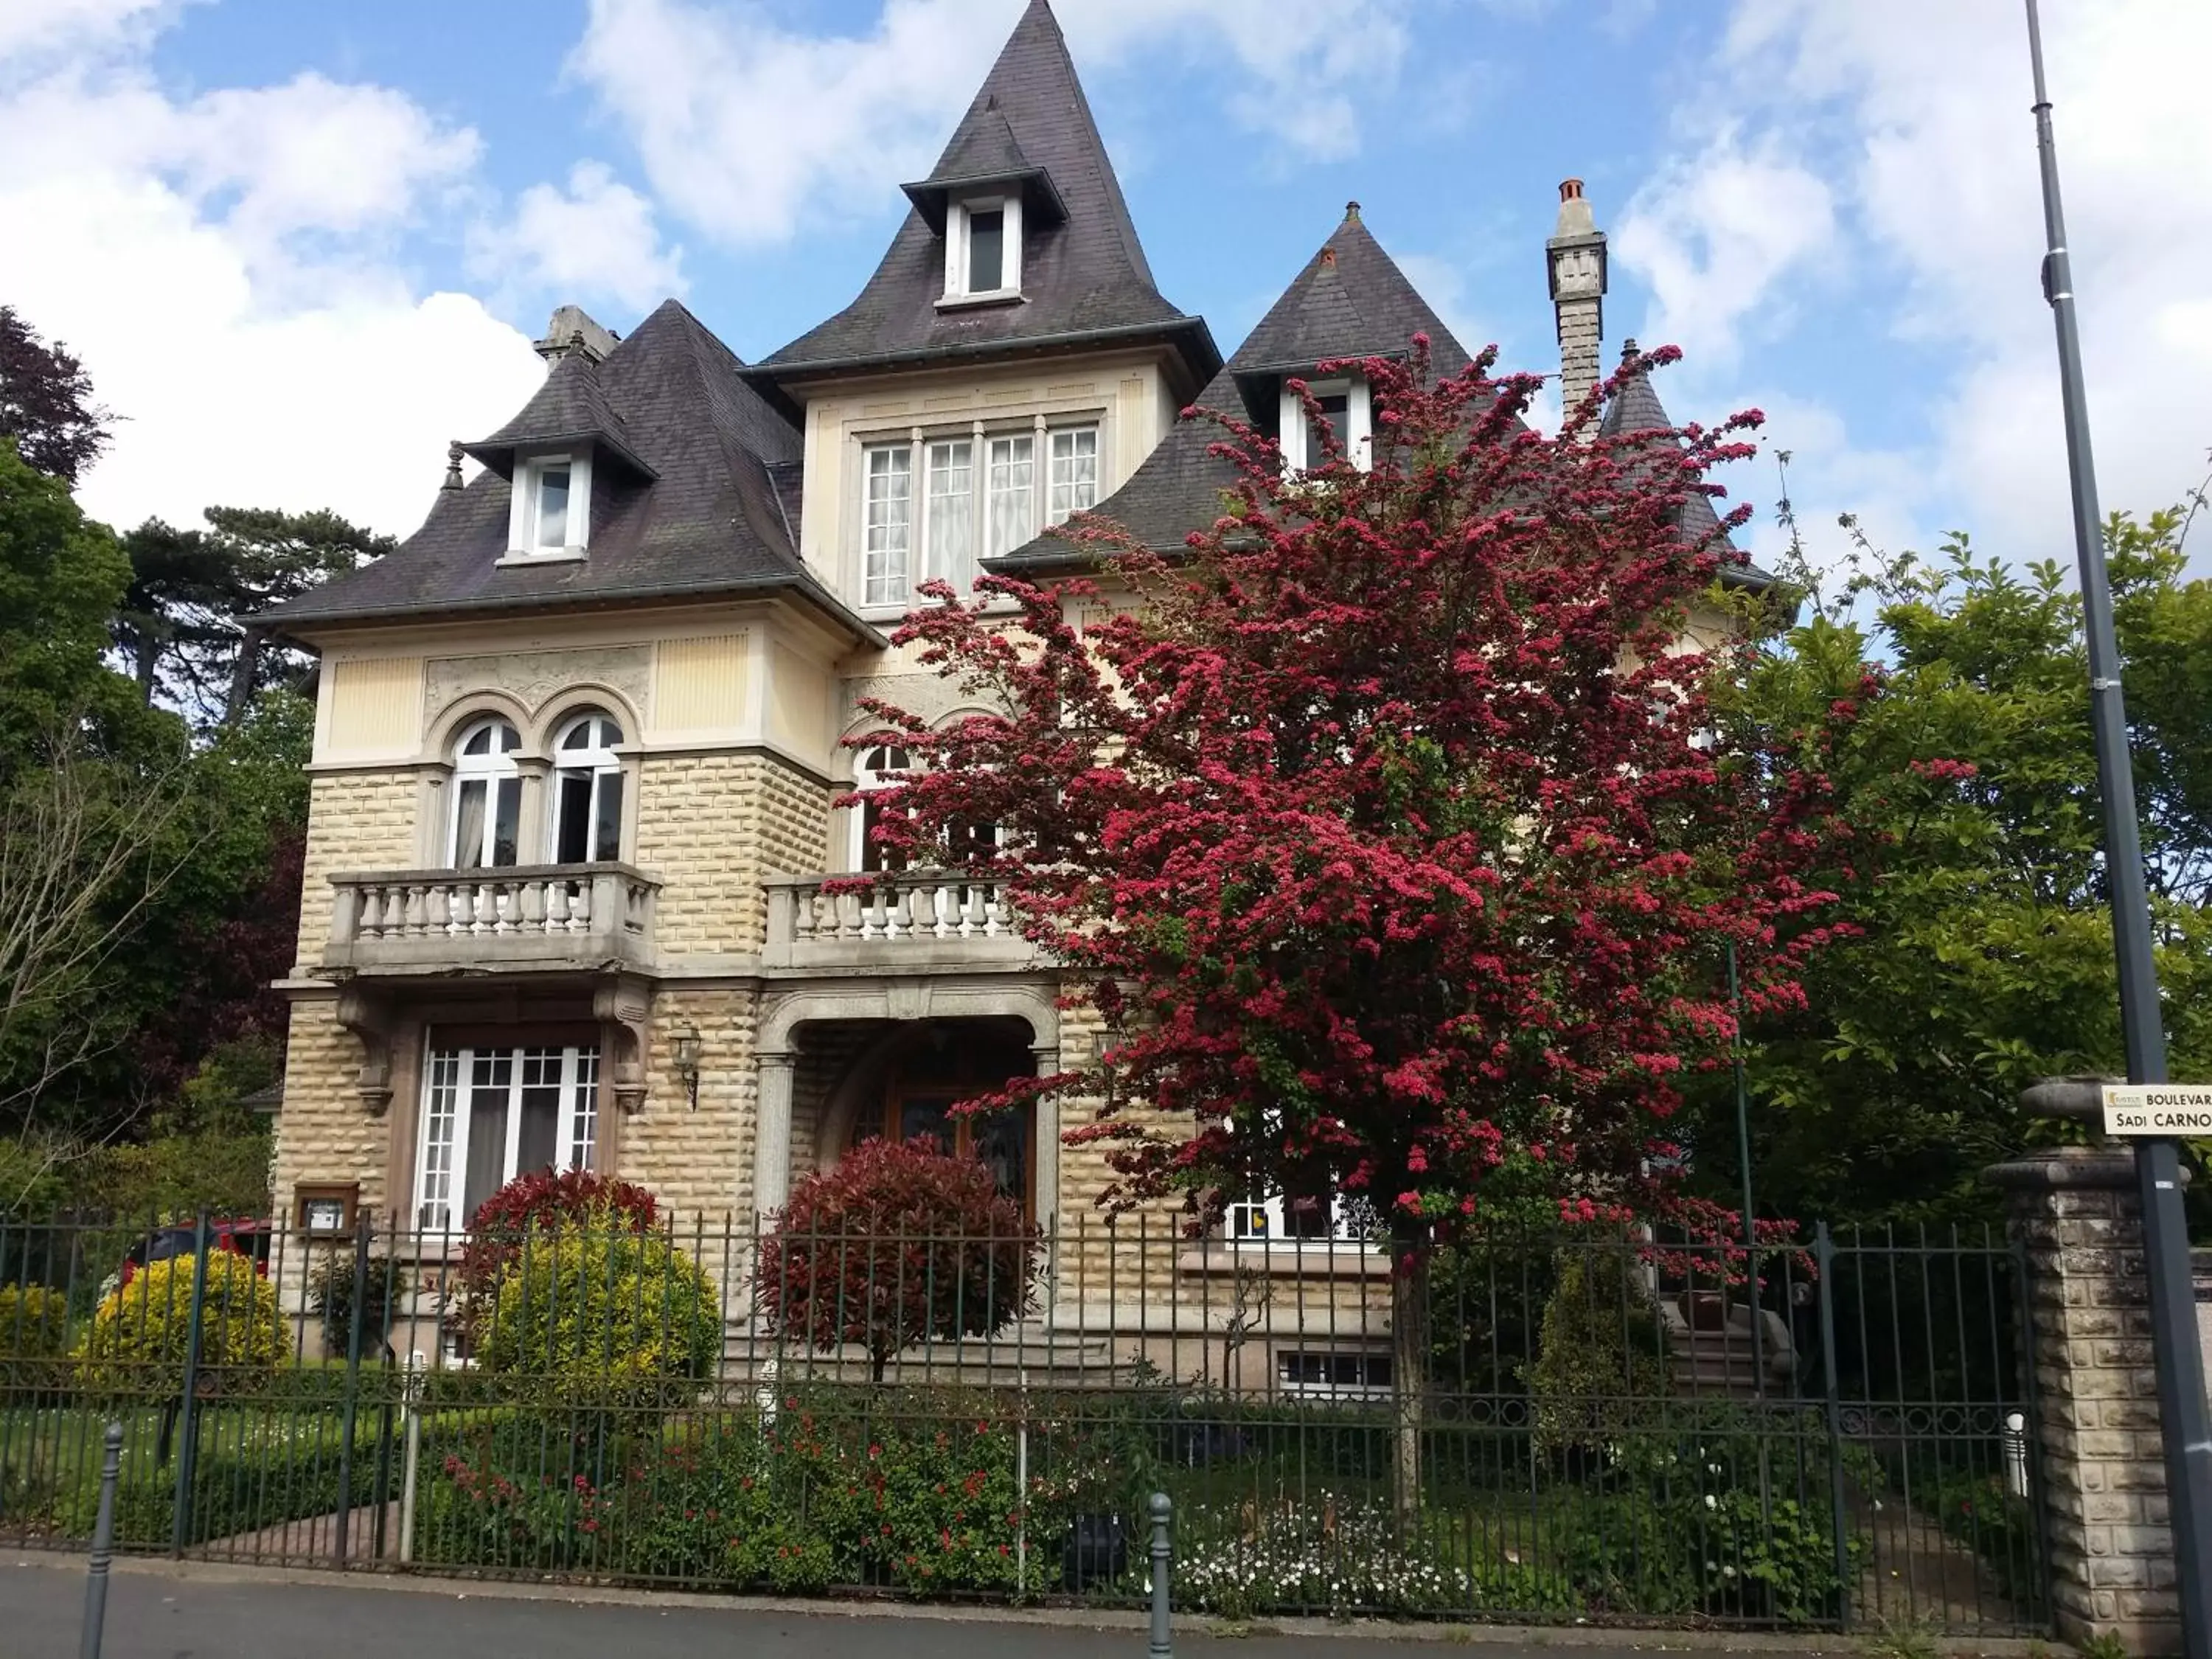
point(1636, 408)
point(1084, 278)
point(700, 514)
point(1350, 300)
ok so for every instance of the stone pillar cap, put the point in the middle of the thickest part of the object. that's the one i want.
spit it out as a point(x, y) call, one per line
point(2080, 1097)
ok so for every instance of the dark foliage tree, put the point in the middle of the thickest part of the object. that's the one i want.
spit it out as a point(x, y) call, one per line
point(46, 402)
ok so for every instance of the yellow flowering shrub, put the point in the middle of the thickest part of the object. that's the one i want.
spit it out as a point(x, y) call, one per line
point(139, 1333)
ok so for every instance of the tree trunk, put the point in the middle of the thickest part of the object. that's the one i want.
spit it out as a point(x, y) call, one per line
point(1409, 1376)
point(244, 670)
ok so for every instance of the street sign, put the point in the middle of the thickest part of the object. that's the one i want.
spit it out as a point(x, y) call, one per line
point(2158, 1109)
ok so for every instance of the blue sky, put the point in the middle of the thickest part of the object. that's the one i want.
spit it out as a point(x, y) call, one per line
point(301, 246)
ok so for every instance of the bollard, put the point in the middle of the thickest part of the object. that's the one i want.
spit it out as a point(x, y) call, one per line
point(1163, 1644)
point(103, 1545)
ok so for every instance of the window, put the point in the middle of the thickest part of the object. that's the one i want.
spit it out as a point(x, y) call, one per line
point(552, 507)
point(487, 798)
point(981, 496)
point(587, 791)
point(889, 524)
point(1013, 497)
point(1345, 412)
point(1333, 1376)
point(489, 1115)
point(880, 767)
point(983, 251)
point(1075, 473)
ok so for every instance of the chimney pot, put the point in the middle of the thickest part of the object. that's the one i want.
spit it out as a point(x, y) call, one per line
point(1569, 189)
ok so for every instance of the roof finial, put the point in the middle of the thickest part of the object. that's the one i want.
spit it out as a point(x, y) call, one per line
point(1628, 350)
point(1352, 211)
point(452, 466)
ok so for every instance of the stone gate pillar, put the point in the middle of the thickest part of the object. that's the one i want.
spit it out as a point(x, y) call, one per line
point(2105, 1526)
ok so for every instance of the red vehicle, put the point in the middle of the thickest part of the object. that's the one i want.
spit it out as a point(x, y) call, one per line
point(245, 1237)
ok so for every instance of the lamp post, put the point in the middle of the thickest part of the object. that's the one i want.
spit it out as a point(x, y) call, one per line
point(2183, 1414)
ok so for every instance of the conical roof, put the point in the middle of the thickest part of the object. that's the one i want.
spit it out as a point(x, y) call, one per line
point(1085, 277)
point(1636, 408)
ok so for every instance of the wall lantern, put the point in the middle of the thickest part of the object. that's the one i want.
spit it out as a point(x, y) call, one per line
point(688, 1049)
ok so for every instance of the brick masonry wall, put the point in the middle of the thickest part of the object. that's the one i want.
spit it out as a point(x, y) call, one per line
point(324, 1132)
point(699, 1163)
point(355, 821)
point(2111, 1549)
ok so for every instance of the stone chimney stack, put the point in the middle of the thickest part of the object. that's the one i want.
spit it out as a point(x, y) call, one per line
point(571, 330)
point(1576, 255)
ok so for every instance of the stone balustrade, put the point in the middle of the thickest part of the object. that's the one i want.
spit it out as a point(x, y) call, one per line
point(906, 921)
point(556, 915)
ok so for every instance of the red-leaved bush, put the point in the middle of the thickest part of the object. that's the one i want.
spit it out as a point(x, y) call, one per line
point(897, 1243)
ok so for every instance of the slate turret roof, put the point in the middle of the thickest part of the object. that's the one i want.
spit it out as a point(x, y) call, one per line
point(1350, 300)
point(1085, 282)
point(1636, 408)
point(684, 499)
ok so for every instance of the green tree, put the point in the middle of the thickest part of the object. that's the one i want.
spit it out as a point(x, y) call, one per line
point(1983, 955)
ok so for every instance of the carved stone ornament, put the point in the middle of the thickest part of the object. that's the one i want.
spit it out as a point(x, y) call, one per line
point(622, 1003)
point(369, 1016)
point(534, 676)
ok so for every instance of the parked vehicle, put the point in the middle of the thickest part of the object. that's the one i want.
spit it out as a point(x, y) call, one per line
point(240, 1236)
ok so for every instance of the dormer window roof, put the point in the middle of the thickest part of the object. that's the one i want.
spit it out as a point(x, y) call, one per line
point(984, 158)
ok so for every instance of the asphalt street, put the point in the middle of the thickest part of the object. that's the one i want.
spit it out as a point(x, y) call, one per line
point(156, 1614)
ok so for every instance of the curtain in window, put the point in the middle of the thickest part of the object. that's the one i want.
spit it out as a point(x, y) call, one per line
point(1075, 481)
point(888, 525)
point(1012, 494)
point(489, 1115)
point(951, 513)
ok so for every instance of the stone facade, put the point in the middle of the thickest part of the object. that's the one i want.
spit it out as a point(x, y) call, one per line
point(2111, 1549)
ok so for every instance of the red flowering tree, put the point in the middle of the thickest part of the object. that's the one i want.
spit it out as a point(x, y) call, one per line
point(898, 1242)
point(1383, 826)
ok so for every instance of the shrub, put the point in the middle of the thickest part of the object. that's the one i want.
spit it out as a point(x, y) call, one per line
point(331, 1298)
point(601, 1316)
point(34, 1341)
point(1600, 1369)
point(141, 1332)
point(898, 1243)
point(574, 1198)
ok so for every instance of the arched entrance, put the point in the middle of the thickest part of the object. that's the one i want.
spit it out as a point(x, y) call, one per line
point(920, 1075)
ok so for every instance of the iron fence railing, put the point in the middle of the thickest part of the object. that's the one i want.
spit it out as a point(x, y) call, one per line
point(1534, 1427)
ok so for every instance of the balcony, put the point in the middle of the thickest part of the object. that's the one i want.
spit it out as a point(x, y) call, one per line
point(914, 922)
point(551, 918)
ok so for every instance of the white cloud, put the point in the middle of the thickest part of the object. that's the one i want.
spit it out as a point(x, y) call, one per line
point(28, 27)
point(1916, 117)
point(595, 238)
point(227, 266)
point(749, 129)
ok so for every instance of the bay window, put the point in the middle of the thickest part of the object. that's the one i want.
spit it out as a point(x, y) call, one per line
point(981, 495)
point(489, 1115)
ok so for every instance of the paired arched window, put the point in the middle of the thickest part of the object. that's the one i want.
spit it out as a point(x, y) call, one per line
point(487, 796)
point(880, 766)
point(587, 791)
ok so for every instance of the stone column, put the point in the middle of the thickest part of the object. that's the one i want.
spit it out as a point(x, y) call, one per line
point(2111, 1549)
point(1045, 1180)
point(772, 1136)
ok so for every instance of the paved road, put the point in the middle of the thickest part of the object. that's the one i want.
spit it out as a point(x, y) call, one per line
point(211, 1614)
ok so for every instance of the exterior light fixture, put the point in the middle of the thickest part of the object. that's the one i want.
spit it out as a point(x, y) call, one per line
point(688, 1049)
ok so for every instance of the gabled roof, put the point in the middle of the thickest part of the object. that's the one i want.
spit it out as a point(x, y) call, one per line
point(703, 517)
point(1636, 408)
point(1084, 278)
point(1351, 300)
point(569, 408)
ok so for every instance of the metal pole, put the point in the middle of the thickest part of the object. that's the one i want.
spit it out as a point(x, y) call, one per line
point(2183, 1414)
point(103, 1547)
point(1824, 1256)
point(188, 1416)
point(1162, 1645)
point(1743, 1160)
point(346, 1428)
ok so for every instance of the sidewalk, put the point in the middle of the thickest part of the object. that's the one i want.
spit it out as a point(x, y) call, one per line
point(160, 1610)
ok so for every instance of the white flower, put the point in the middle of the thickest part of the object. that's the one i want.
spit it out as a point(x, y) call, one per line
point(1711, 1502)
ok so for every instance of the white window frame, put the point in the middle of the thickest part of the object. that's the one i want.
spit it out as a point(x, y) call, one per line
point(1366, 1388)
point(522, 509)
point(878, 766)
point(496, 767)
point(441, 1142)
point(956, 290)
point(1258, 1223)
point(1054, 512)
point(601, 761)
point(924, 556)
point(1358, 423)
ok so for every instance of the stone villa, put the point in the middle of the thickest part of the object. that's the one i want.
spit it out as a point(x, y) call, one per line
point(580, 737)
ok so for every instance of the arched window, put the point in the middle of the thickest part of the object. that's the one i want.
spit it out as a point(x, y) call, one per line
point(487, 796)
point(587, 791)
point(881, 765)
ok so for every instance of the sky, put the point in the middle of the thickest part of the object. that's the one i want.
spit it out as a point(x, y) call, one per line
point(300, 247)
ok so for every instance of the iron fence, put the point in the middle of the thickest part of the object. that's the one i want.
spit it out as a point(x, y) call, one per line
point(1532, 1428)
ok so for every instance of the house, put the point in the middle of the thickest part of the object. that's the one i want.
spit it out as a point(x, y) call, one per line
point(579, 737)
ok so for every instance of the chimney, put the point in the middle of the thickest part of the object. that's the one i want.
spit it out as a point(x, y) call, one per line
point(1575, 256)
point(572, 330)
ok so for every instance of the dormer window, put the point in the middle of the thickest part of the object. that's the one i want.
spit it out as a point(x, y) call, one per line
point(551, 513)
point(983, 250)
point(1344, 412)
